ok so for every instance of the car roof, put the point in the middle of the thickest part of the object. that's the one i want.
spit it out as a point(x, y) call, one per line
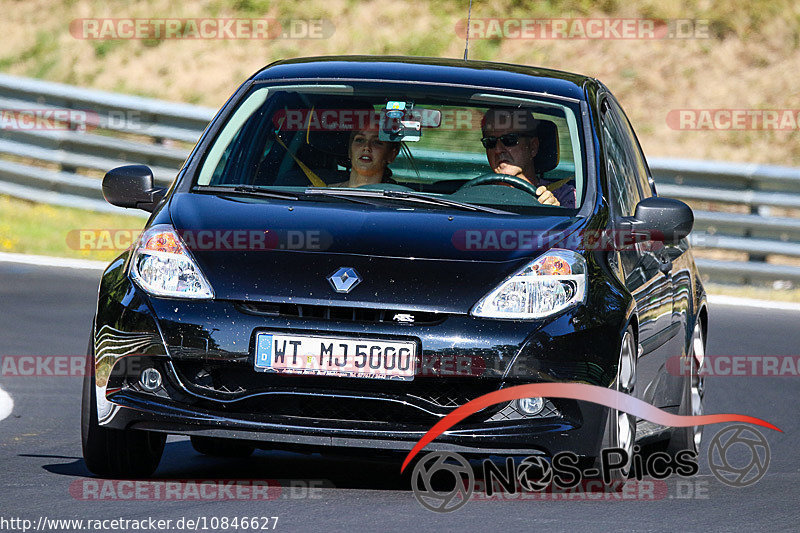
point(426, 69)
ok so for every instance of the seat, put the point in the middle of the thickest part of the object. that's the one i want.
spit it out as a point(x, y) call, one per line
point(547, 157)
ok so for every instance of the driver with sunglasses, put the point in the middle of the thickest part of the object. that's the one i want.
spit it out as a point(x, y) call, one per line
point(511, 144)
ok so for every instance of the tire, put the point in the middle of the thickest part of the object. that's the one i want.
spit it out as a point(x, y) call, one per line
point(690, 438)
point(216, 447)
point(115, 453)
point(620, 428)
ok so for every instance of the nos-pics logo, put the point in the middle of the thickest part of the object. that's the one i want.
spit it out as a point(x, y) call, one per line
point(738, 456)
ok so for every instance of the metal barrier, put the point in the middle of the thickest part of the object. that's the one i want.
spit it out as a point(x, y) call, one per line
point(64, 167)
point(106, 130)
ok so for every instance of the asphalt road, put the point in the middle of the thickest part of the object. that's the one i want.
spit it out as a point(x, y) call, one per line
point(47, 311)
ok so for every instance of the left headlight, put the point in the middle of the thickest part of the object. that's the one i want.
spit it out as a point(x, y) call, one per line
point(551, 283)
point(162, 266)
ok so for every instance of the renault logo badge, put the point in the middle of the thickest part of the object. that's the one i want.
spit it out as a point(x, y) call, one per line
point(344, 279)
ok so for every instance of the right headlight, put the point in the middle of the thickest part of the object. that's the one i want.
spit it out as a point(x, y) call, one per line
point(162, 266)
point(549, 284)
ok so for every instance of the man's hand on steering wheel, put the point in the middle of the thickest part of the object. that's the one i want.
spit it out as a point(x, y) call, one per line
point(543, 196)
point(546, 197)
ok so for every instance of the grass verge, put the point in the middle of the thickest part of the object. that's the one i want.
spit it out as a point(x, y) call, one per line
point(42, 229)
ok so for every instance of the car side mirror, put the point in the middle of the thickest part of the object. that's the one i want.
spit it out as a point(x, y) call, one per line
point(660, 219)
point(132, 186)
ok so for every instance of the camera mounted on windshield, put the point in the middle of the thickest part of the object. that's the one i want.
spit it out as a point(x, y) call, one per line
point(399, 121)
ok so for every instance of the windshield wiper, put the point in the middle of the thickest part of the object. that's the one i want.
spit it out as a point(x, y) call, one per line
point(353, 195)
point(408, 196)
point(335, 194)
point(248, 190)
point(421, 197)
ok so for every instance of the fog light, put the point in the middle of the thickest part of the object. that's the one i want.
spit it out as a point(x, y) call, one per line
point(150, 380)
point(530, 406)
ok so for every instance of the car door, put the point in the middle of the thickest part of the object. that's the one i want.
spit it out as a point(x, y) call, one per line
point(676, 258)
point(640, 264)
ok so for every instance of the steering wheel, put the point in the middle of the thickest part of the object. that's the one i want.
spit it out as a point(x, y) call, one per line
point(491, 178)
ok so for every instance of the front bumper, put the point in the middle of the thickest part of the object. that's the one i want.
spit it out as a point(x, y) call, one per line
point(579, 432)
point(205, 350)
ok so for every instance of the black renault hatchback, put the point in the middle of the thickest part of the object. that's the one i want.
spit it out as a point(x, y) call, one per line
point(357, 246)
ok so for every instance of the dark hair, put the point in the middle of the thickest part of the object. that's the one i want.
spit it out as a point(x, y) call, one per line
point(353, 133)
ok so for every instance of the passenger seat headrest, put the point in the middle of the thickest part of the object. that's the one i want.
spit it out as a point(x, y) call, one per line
point(546, 159)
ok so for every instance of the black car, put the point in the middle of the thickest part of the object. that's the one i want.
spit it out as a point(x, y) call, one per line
point(357, 246)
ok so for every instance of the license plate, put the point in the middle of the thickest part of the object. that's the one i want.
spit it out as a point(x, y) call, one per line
point(335, 356)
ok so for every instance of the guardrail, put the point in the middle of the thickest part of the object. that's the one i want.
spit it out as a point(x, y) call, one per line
point(62, 166)
point(734, 203)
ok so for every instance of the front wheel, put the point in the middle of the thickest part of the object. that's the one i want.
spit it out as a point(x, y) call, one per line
point(115, 453)
point(620, 429)
point(689, 438)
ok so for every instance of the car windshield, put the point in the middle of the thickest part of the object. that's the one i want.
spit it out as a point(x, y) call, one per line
point(382, 143)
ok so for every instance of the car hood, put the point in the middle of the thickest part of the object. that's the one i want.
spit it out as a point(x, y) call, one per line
point(407, 258)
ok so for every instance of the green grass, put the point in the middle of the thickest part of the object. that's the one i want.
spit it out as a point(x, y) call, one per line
point(42, 53)
point(42, 229)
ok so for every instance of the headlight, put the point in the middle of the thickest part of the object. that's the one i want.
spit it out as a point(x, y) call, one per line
point(549, 284)
point(162, 266)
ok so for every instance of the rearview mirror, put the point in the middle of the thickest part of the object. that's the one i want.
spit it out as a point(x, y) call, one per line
point(660, 219)
point(132, 186)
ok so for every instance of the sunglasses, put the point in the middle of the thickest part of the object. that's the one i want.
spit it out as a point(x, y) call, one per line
point(509, 139)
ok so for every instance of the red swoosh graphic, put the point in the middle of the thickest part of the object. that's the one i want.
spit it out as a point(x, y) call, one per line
point(577, 391)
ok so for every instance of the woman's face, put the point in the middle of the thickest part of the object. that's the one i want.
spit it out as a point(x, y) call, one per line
point(369, 155)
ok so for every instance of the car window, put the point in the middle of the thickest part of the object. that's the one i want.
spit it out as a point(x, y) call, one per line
point(622, 179)
point(639, 161)
point(302, 138)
